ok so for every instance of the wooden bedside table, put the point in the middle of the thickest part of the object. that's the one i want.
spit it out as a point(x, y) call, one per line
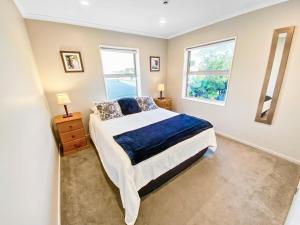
point(71, 133)
point(165, 103)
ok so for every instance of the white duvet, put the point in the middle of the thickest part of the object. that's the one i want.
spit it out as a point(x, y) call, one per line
point(128, 178)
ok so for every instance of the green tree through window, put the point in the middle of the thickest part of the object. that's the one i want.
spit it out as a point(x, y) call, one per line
point(208, 71)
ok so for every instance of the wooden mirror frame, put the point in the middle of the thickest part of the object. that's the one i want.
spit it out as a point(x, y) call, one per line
point(287, 46)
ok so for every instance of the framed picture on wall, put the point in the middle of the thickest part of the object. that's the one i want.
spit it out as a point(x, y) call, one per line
point(72, 61)
point(154, 63)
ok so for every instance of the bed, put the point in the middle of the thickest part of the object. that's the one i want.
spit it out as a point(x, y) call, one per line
point(139, 179)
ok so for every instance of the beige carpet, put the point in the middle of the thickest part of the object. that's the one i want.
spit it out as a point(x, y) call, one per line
point(237, 185)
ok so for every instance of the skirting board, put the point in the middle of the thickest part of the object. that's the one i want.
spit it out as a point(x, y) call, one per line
point(272, 152)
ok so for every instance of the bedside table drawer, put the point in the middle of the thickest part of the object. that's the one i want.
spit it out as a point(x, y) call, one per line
point(168, 103)
point(165, 103)
point(69, 126)
point(72, 135)
point(73, 145)
point(160, 104)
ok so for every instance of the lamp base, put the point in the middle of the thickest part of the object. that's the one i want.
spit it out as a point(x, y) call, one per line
point(67, 113)
point(160, 95)
point(66, 116)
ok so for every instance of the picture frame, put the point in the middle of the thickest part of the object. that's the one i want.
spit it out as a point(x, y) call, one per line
point(72, 61)
point(154, 63)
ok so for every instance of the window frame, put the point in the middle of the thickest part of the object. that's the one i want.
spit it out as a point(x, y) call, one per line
point(186, 71)
point(136, 61)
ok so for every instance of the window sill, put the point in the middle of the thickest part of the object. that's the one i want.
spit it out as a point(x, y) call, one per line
point(203, 101)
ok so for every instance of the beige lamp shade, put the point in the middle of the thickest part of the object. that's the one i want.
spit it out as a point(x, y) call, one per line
point(161, 87)
point(63, 99)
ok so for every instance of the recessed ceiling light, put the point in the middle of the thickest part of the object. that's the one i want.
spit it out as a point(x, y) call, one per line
point(162, 21)
point(84, 2)
point(165, 2)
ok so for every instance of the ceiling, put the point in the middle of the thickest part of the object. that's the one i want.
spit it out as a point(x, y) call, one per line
point(140, 16)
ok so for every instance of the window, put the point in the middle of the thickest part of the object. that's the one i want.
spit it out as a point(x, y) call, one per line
point(208, 71)
point(120, 72)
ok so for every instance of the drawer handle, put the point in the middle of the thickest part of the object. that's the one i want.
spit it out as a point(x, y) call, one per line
point(70, 126)
point(73, 136)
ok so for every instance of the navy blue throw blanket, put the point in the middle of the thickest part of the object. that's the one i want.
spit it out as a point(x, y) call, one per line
point(145, 142)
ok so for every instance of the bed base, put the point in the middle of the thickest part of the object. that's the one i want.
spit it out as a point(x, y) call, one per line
point(162, 179)
point(154, 184)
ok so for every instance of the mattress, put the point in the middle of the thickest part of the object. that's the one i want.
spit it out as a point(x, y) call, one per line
point(130, 178)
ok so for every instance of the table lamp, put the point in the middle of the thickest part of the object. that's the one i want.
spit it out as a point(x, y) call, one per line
point(63, 99)
point(161, 88)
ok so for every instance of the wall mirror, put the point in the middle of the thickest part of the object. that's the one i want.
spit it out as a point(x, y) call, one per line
point(280, 48)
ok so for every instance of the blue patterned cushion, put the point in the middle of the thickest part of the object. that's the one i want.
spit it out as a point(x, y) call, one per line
point(146, 103)
point(129, 106)
point(109, 110)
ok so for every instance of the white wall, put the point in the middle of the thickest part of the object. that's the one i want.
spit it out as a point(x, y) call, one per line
point(49, 38)
point(29, 158)
point(254, 35)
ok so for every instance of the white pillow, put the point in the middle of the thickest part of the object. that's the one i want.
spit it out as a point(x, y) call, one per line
point(94, 109)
